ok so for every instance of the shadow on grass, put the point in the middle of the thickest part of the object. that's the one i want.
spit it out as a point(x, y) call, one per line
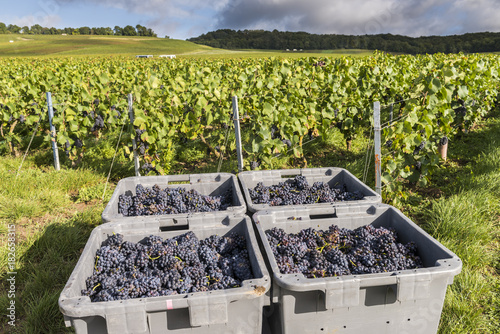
point(45, 265)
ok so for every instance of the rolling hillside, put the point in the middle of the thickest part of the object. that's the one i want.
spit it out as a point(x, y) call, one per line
point(59, 45)
point(85, 45)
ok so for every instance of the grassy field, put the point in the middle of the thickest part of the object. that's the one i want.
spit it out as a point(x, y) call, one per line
point(54, 213)
point(58, 45)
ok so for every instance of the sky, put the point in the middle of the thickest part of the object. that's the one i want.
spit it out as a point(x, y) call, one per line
point(183, 19)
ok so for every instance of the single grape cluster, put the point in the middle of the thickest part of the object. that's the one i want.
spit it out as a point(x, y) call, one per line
point(340, 251)
point(419, 148)
point(141, 144)
point(98, 124)
point(297, 191)
point(163, 267)
point(148, 167)
point(156, 201)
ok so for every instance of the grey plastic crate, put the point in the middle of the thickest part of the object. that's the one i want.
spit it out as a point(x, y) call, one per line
point(407, 301)
point(331, 175)
point(213, 184)
point(235, 310)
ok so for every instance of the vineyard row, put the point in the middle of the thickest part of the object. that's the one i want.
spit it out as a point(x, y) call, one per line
point(282, 103)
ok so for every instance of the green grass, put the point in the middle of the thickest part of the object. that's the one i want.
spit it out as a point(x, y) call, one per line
point(85, 45)
point(54, 213)
point(467, 221)
point(57, 45)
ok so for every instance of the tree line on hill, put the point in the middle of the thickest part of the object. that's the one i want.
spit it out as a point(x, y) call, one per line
point(37, 29)
point(279, 40)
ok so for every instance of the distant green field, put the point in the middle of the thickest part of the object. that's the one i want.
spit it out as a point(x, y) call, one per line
point(58, 45)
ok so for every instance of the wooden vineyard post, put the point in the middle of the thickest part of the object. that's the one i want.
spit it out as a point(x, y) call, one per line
point(443, 148)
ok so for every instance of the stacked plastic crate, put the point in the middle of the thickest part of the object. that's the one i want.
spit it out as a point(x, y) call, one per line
point(394, 301)
point(233, 310)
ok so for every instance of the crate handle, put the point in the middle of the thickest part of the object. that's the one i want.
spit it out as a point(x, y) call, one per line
point(179, 179)
point(173, 224)
point(131, 322)
point(323, 216)
point(414, 285)
point(206, 311)
point(344, 293)
point(172, 182)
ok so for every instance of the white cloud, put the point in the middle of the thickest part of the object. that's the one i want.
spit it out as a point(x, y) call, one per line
point(478, 15)
point(406, 17)
point(186, 18)
point(38, 18)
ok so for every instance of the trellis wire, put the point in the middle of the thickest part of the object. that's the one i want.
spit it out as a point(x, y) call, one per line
point(369, 148)
point(29, 145)
point(397, 119)
point(239, 148)
point(112, 162)
point(303, 144)
point(225, 147)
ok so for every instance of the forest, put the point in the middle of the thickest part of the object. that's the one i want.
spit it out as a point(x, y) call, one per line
point(279, 40)
point(37, 29)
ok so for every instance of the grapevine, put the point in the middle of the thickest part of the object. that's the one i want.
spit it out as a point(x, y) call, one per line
point(284, 103)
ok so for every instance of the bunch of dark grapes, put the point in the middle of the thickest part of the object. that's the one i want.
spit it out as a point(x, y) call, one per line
point(87, 113)
point(156, 201)
point(320, 63)
point(157, 267)
point(461, 111)
point(275, 132)
point(67, 147)
point(254, 165)
point(313, 133)
point(147, 167)
point(143, 146)
point(118, 113)
point(297, 191)
point(98, 124)
point(389, 143)
point(419, 148)
point(340, 251)
point(78, 143)
point(287, 142)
